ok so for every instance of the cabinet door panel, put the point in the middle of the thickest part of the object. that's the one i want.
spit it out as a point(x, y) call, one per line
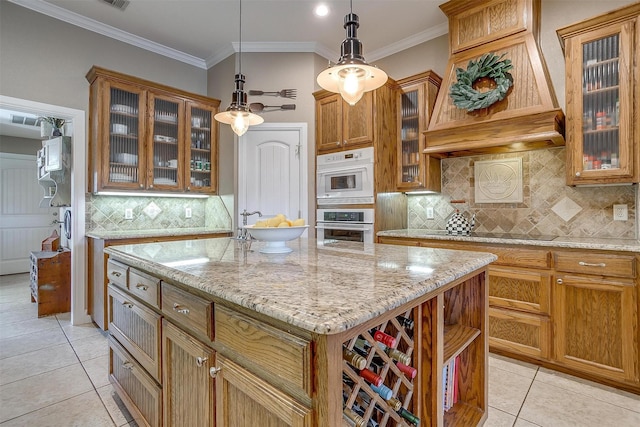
point(201, 159)
point(329, 123)
point(357, 122)
point(595, 322)
point(521, 333)
point(519, 289)
point(246, 400)
point(121, 133)
point(166, 143)
point(188, 387)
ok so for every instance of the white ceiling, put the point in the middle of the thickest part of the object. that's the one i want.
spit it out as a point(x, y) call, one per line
point(204, 32)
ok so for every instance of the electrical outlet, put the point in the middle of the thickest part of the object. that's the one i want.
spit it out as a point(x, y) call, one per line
point(187, 212)
point(429, 213)
point(620, 213)
point(128, 213)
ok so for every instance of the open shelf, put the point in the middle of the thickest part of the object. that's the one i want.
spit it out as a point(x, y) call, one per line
point(456, 339)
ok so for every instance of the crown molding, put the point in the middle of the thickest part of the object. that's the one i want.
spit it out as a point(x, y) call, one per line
point(271, 47)
point(108, 31)
point(414, 40)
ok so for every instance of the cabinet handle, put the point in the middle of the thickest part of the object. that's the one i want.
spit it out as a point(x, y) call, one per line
point(116, 273)
point(127, 304)
point(128, 365)
point(338, 143)
point(214, 371)
point(142, 286)
point(177, 307)
point(590, 264)
point(577, 173)
point(200, 361)
point(559, 281)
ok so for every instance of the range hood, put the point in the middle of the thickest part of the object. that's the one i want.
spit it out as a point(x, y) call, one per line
point(528, 117)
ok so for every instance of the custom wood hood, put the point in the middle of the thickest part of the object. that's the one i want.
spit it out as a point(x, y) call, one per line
point(528, 117)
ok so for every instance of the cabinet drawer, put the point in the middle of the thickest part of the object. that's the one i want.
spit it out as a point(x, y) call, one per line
point(188, 310)
point(595, 263)
point(145, 287)
point(275, 351)
point(520, 289)
point(137, 328)
point(141, 395)
point(117, 273)
point(520, 333)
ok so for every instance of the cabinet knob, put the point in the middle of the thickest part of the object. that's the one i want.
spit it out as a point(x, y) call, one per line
point(128, 366)
point(151, 186)
point(116, 273)
point(127, 304)
point(577, 173)
point(141, 186)
point(180, 309)
point(142, 287)
point(200, 361)
point(214, 371)
point(338, 143)
point(559, 281)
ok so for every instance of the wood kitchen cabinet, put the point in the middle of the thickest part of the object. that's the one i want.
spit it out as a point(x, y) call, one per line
point(416, 98)
point(603, 98)
point(596, 314)
point(340, 126)
point(150, 137)
point(188, 386)
point(570, 310)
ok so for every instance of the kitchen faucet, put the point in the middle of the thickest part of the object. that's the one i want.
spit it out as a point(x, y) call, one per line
point(242, 231)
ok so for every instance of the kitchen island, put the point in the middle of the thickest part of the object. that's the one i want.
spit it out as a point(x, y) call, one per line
point(260, 338)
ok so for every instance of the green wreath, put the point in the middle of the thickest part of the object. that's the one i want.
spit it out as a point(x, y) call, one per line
point(490, 65)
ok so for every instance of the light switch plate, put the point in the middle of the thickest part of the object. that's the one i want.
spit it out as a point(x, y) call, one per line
point(429, 213)
point(128, 213)
point(187, 212)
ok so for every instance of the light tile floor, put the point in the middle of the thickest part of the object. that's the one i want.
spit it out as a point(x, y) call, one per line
point(55, 374)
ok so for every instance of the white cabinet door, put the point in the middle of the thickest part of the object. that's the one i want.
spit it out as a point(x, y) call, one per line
point(272, 172)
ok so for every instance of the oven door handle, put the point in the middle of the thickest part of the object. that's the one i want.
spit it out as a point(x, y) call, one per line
point(347, 227)
point(341, 170)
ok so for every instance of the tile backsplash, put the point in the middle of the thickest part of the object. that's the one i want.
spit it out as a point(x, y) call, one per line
point(107, 213)
point(549, 206)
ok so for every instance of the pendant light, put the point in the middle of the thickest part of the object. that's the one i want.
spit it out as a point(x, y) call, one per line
point(238, 114)
point(352, 76)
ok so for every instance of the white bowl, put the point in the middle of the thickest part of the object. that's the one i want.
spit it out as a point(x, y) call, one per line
point(127, 158)
point(119, 129)
point(275, 237)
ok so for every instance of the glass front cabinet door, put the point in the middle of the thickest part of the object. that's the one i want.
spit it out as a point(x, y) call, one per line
point(416, 98)
point(602, 129)
point(120, 156)
point(166, 145)
point(201, 153)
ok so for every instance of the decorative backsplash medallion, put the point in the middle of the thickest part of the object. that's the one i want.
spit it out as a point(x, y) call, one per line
point(499, 181)
point(548, 207)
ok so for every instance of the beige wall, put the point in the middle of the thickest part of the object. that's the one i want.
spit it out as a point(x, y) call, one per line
point(45, 60)
point(15, 145)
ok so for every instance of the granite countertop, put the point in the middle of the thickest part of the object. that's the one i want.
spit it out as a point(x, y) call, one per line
point(624, 245)
point(133, 234)
point(320, 287)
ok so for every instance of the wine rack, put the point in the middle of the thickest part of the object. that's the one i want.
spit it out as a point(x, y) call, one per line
point(390, 404)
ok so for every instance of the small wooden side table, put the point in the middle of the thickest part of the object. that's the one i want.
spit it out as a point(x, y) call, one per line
point(51, 281)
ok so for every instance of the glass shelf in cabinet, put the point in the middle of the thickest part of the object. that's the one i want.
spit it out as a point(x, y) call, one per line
point(600, 90)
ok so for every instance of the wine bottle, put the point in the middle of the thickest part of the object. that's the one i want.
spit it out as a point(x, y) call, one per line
point(398, 355)
point(371, 377)
point(408, 416)
point(405, 322)
point(354, 359)
point(394, 403)
point(357, 419)
point(409, 371)
point(385, 392)
point(385, 339)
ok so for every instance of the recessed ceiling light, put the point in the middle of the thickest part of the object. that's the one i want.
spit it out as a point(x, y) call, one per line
point(321, 10)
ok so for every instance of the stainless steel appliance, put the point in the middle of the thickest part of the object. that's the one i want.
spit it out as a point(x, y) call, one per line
point(354, 225)
point(345, 177)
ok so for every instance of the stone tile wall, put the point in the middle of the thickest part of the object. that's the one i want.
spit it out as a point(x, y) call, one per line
point(549, 206)
point(106, 213)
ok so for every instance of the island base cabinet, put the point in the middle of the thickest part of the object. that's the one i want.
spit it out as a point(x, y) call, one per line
point(188, 398)
point(243, 399)
point(600, 337)
point(140, 393)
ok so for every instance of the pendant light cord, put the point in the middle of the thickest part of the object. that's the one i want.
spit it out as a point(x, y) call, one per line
point(351, 5)
point(240, 47)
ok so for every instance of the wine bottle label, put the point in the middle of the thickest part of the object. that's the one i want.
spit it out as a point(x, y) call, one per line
point(371, 377)
point(385, 339)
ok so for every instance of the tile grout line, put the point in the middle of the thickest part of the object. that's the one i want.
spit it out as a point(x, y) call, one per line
point(525, 398)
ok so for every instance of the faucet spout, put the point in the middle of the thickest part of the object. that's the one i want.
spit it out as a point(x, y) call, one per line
point(242, 231)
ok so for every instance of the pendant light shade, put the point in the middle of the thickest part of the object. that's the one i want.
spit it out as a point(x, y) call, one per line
point(352, 76)
point(238, 114)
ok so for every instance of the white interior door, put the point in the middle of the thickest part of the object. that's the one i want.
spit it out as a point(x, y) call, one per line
point(23, 224)
point(272, 171)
